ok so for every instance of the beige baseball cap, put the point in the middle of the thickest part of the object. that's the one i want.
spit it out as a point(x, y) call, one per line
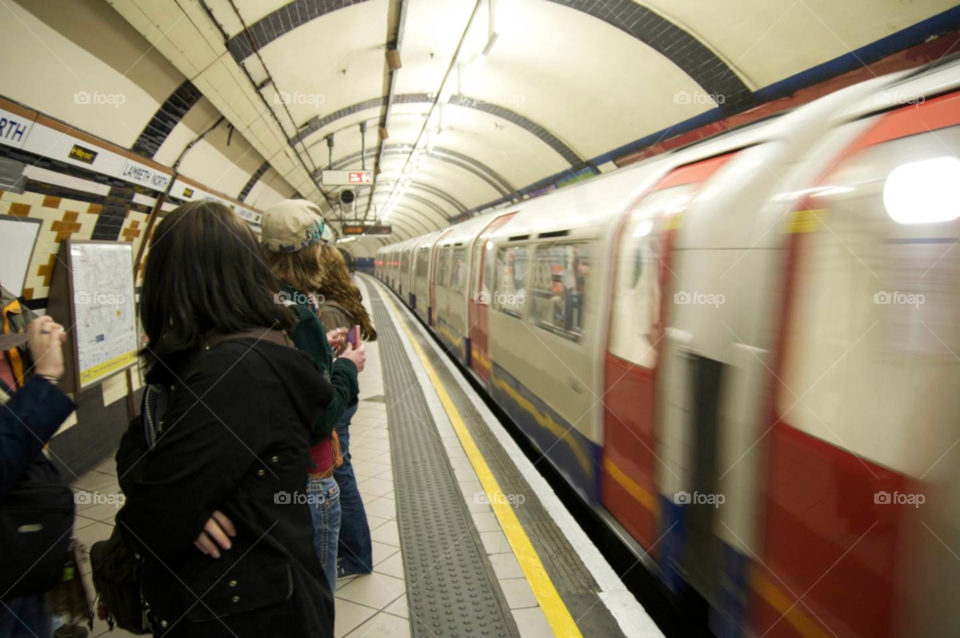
point(292, 225)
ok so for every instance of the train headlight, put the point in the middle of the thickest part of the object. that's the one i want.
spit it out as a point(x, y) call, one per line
point(924, 192)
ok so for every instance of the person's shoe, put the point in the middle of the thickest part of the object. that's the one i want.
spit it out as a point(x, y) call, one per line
point(343, 572)
point(71, 631)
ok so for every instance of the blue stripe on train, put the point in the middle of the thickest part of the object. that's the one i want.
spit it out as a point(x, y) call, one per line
point(673, 521)
point(729, 618)
point(575, 457)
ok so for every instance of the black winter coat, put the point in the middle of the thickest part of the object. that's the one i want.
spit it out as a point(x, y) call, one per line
point(234, 439)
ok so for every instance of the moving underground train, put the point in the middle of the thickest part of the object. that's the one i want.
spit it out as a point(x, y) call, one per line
point(744, 355)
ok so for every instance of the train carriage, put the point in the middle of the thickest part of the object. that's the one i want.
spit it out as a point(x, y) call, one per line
point(455, 277)
point(741, 355)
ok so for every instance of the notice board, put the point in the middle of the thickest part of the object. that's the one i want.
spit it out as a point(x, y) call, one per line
point(92, 294)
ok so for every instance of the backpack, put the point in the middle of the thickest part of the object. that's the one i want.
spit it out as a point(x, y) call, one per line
point(36, 518)
point(116, 566)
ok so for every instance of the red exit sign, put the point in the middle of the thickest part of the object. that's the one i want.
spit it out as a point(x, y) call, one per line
point(360, 177)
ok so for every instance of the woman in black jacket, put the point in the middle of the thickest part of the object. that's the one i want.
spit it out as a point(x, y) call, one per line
point(216, 507)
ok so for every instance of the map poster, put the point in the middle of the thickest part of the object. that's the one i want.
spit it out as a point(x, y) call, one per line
point(92, 294)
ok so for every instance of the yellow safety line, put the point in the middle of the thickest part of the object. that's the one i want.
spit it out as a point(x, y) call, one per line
point(779, 601)
point(552, 605)
point(633, 488)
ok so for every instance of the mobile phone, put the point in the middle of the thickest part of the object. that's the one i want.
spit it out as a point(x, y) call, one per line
point(353, 336)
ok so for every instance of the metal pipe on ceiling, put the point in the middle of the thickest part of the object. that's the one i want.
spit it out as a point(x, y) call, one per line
point(257, 87)
point(443, 83)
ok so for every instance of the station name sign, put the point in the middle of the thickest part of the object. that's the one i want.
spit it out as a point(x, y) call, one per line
point(367, 229)
point(347, 178)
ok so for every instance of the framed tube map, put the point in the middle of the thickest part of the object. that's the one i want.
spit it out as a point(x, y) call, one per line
point(92, 294)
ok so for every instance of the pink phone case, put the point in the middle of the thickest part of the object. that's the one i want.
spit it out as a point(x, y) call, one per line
point(353, 336)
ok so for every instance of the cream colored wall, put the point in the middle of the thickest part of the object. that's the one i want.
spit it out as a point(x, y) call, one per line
point(65, 47)
point(769, 41)
point(269, 190)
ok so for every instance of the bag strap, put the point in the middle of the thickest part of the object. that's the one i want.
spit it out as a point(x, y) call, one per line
point(154, 407)
point(279, 337)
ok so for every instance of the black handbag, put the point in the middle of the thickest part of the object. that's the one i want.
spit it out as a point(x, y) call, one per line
point(116, 577)
point(116, 566)
point(36, 517)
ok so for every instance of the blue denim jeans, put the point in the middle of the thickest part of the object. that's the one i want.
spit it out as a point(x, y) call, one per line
point(324, 502)
point(356, 547)
point(25, 617)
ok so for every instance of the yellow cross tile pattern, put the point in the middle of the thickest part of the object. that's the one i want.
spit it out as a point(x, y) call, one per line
point(62, 219)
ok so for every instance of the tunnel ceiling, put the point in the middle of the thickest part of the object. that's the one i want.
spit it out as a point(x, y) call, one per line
point(490, 103)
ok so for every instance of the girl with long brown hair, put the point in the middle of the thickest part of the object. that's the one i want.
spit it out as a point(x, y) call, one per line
point(343, 308)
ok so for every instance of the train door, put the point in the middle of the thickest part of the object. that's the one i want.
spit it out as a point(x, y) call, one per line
point(404, 271)
point(860, 507)
point(644, 281)
point(434, 263)
point(479, 301)
point(421, 285)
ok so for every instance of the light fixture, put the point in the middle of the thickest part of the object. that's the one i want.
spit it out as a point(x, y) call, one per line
point(393, 60)
point(924, 192)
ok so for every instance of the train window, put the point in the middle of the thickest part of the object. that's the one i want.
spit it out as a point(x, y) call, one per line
point(510, 290)
point(642, 275)
point(560, 277)
point(443, 268)
point(458, 270)
point(422, 262)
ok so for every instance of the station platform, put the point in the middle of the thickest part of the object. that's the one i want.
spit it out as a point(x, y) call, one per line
point(468, 538)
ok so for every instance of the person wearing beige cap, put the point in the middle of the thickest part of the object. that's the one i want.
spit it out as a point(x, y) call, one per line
point(292, 232)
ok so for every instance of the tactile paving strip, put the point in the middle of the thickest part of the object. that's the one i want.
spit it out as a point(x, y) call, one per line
point(574, 582)
point(451, 588)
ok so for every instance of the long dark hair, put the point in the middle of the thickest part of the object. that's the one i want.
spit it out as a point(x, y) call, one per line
point(205, 272)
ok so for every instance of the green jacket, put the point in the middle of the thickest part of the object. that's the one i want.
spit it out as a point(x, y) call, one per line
point(310, 336)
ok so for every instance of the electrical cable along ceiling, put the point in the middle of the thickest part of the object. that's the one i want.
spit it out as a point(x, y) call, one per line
point(458, 105)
